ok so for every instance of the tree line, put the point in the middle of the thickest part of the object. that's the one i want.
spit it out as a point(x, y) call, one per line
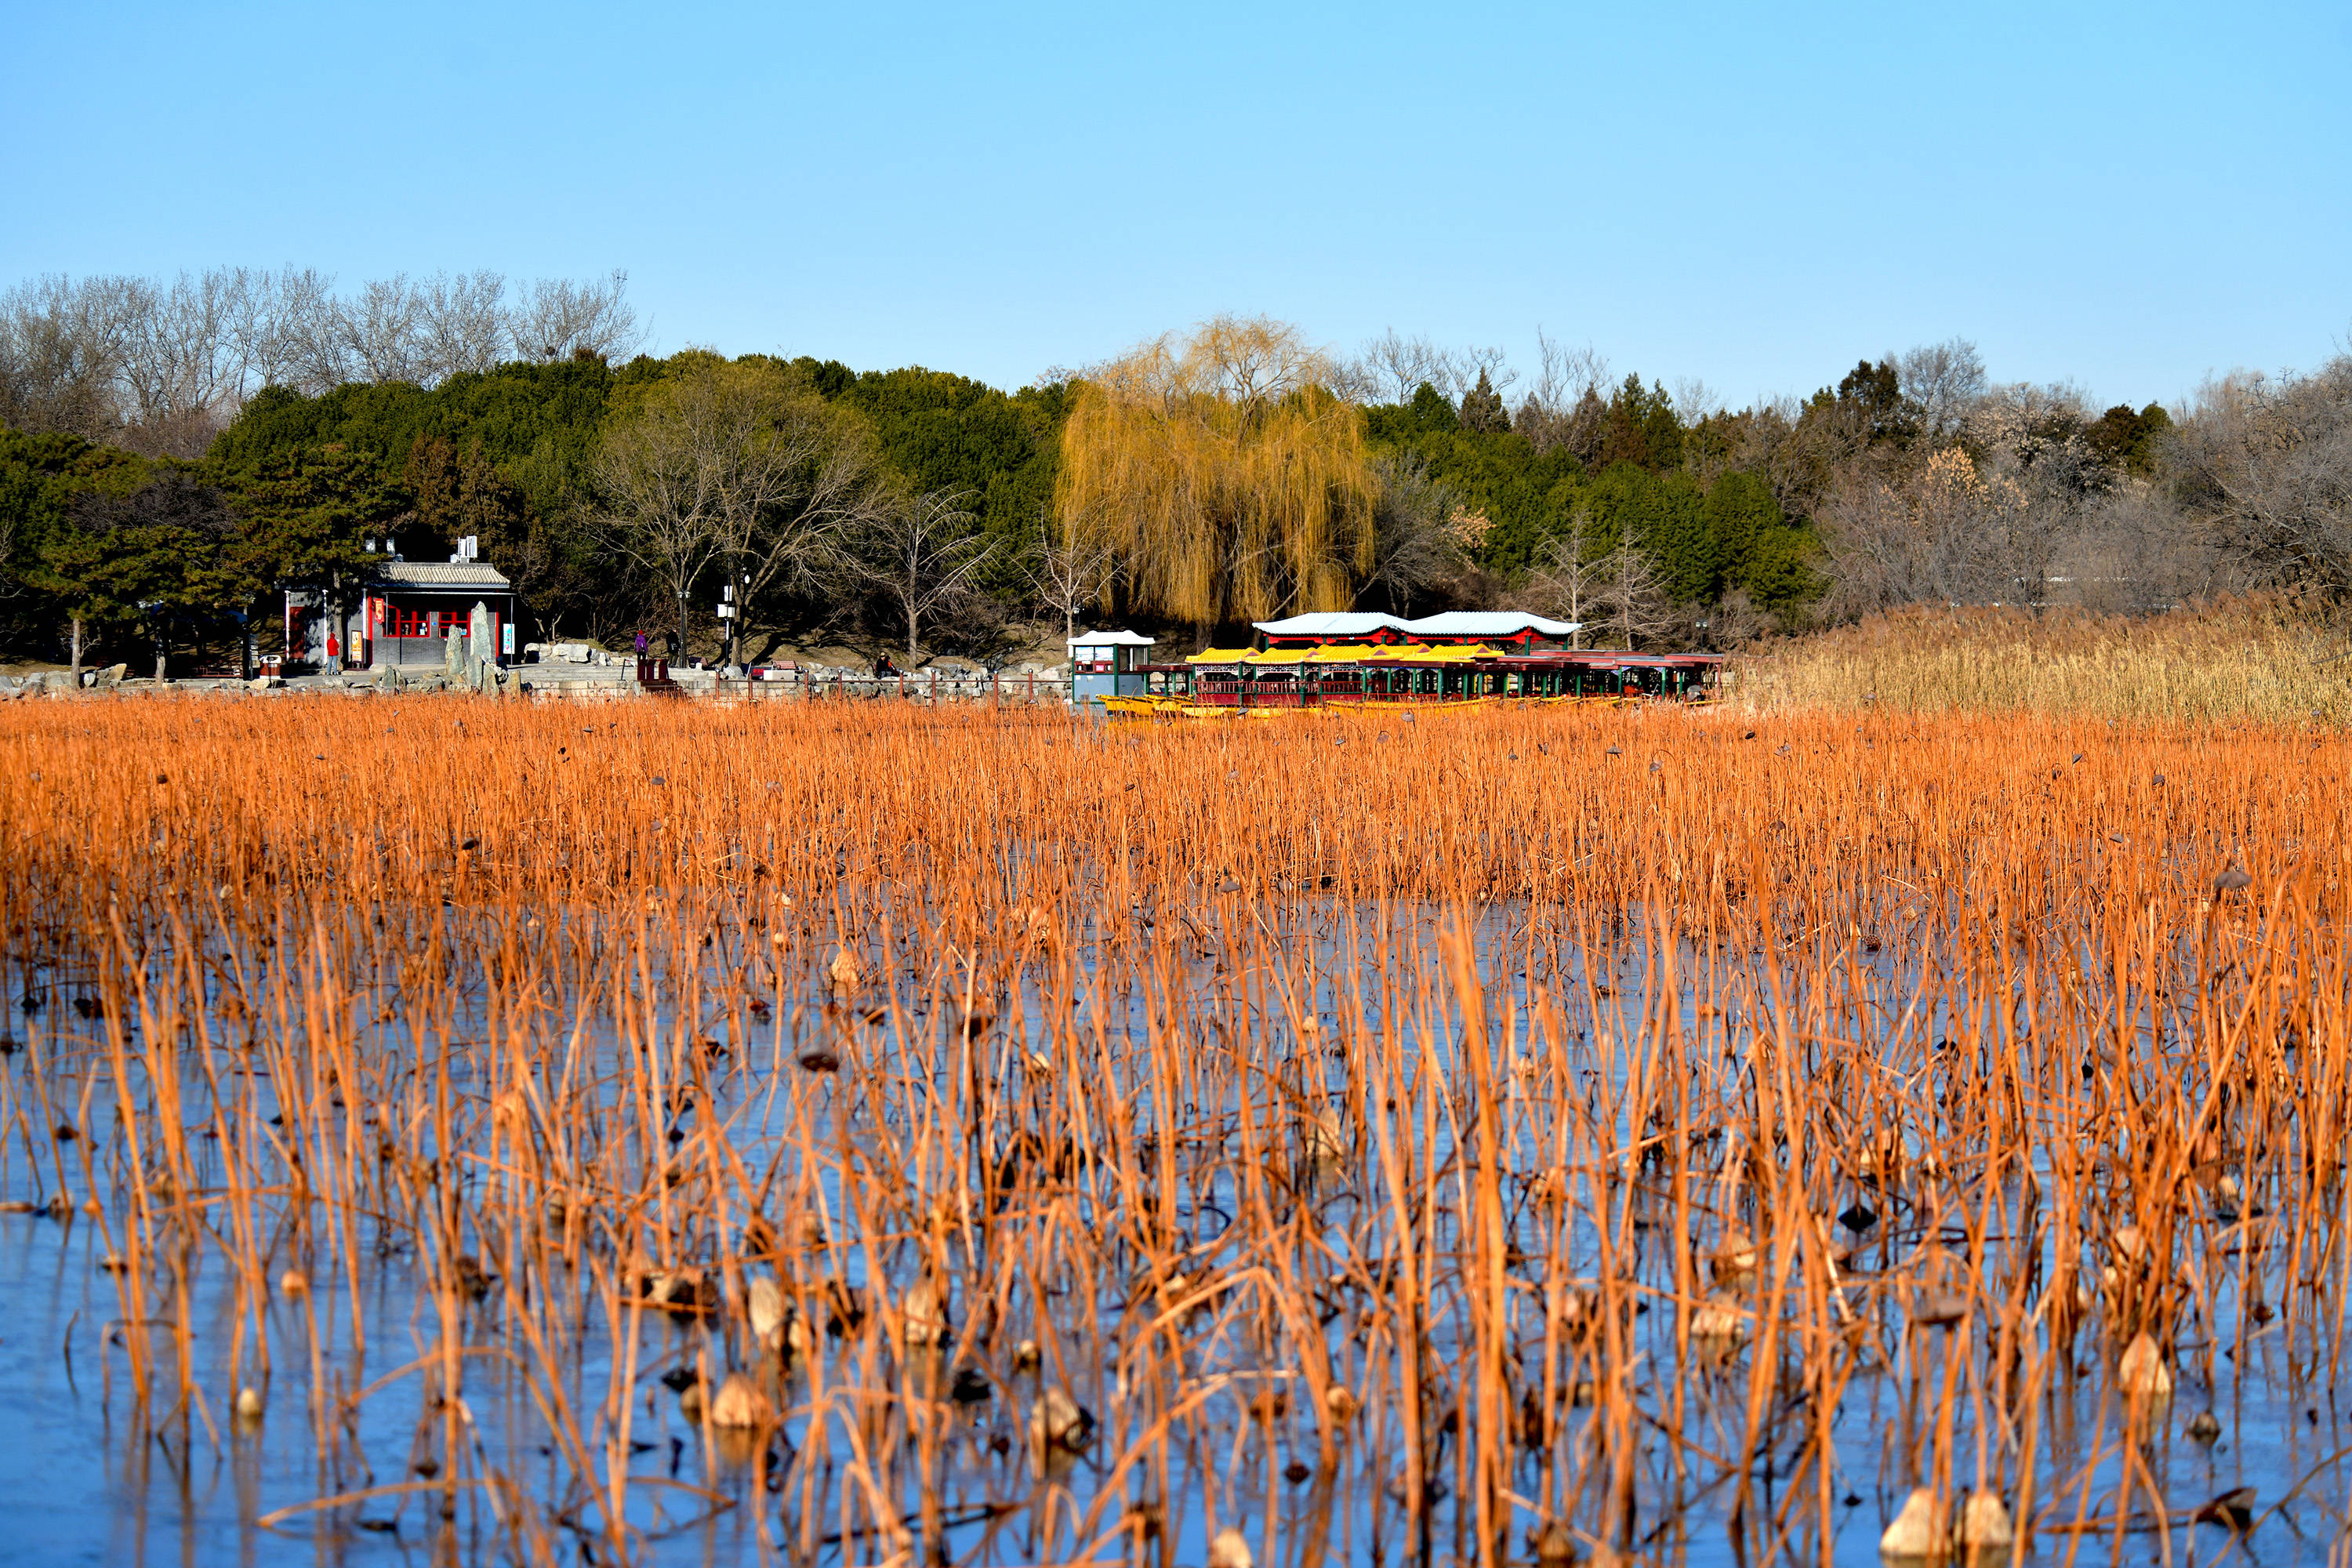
point(173, 453)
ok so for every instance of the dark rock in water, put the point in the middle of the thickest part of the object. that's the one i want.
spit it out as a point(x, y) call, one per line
point(1858, 1219)
point(2233, 1510)
point(472, 1282)
point(679, 1291)
point(1939, 1309)
point(845, 1309)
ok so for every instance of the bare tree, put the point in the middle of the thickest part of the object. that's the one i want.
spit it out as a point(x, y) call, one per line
point(1391, 368)
point(1570, 579)
point(1413, 549)
point(1694, 400)
point(2265, 464)
point(1736, 620)
point(172, 366)
point(920, 553)
point(740, 467)
point(1944, 381)
point(462, 324)
point(63, 345)
point(831, 490)
point(1918, 537)
point(2038, 481)
point(658, 477)
point(1068, 572)
point(2012, 518)
point(1630, 598)
point(1470, 365)
point(294, 335)
point(160, 367)
point(1565, 378)
point(12, 539)
point(2137, 552)
point(559, 319)
point(382, 331)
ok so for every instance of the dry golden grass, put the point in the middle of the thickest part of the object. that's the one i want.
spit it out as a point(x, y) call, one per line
point(2259, 659)
point(1364, 1137)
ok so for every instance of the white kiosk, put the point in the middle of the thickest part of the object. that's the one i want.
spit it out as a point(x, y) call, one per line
point(1102, 665)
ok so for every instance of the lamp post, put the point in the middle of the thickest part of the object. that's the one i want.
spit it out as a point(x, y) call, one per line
point(730, 615)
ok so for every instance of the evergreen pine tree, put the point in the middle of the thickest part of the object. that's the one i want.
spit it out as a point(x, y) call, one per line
point(1482, 410)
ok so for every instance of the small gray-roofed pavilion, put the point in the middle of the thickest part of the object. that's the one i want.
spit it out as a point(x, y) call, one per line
point(411, 606)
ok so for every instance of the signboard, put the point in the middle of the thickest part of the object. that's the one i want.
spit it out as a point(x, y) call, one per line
point(506, 639)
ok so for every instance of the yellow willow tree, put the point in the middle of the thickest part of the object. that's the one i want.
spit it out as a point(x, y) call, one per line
point(1222, 480)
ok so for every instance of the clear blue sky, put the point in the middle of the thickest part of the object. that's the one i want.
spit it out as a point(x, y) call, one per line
point(2130, 196)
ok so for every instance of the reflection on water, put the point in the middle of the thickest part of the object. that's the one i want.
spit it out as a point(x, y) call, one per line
point(866, 1139)
point(1118, 1237)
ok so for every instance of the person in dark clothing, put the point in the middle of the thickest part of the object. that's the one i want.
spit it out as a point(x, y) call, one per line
point(884, 669)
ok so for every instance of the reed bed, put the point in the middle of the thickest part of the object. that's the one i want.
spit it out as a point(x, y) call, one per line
point(870, 1134)
point(2260, 660)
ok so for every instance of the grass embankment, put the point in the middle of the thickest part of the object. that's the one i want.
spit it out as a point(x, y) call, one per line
point(2253, 660)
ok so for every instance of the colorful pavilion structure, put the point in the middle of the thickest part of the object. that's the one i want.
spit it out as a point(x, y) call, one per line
point(1353, 657)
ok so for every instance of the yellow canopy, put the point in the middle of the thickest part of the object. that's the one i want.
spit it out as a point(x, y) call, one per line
point(1330, 653)
point(1414, 652)
point(1347, 653)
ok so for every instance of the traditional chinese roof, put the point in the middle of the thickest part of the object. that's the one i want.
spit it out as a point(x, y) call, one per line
point(1451, 624)
point(1333, 624)
point(449, 574)
point(1490, 624)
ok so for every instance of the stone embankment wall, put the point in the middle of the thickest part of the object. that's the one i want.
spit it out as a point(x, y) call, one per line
point(574, 683)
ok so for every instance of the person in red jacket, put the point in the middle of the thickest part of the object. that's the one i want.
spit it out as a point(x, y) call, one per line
point(334, 655)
